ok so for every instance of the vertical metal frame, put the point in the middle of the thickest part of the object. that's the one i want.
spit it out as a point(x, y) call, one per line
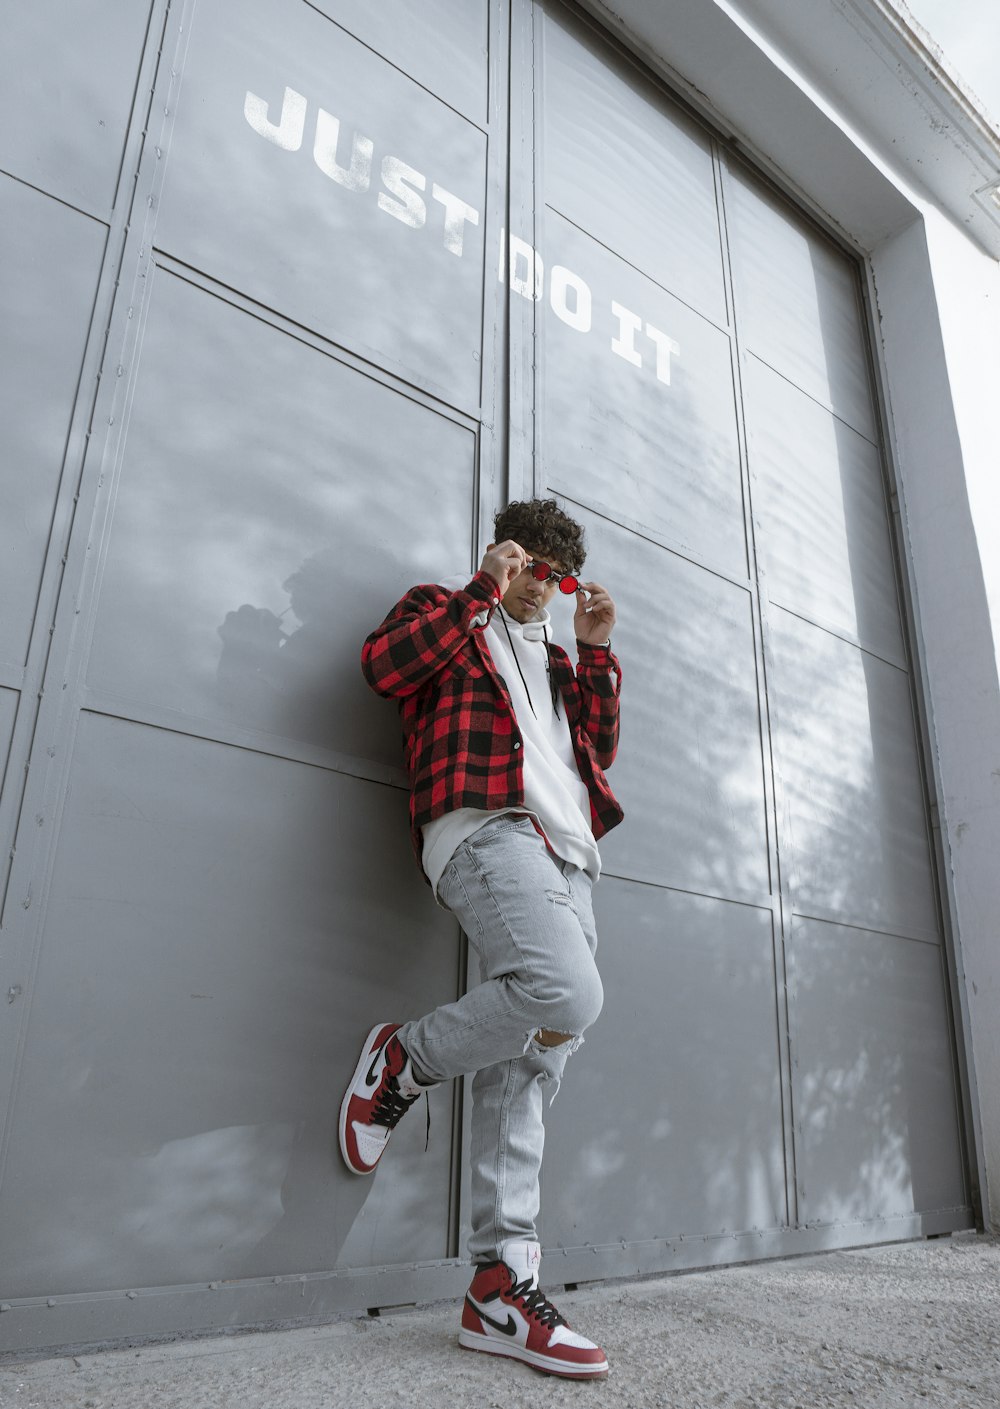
point(776, 808)
point(494, 474)
point(522, 313)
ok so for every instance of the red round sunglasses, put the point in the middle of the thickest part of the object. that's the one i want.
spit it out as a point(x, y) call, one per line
point(544, 572)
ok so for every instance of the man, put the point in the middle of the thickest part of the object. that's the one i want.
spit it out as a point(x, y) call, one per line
point(506, 747)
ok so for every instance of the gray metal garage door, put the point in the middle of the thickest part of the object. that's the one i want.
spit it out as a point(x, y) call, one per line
point(283, 336)
point(771, 936)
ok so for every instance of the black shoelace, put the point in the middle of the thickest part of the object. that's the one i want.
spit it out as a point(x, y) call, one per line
point(391, 1106)
point(536, 1303)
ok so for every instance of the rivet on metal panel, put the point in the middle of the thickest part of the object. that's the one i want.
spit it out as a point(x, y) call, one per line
point(51, 1301)
point(13, 992)
point(132, 1295)
point(4, 1305)
point(213, 1286)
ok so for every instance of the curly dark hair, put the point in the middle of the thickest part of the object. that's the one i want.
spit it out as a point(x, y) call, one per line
point(540, 524)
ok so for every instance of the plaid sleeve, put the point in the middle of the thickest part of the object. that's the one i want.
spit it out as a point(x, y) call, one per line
point(422, 633)
point(599, 677)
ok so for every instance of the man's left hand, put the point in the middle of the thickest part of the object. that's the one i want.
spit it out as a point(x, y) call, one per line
point(595, 614)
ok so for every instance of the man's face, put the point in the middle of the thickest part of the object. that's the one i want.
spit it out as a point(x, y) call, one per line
point(526, 595)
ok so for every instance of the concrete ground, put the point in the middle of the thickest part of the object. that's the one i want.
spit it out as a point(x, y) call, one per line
point(910, 1325)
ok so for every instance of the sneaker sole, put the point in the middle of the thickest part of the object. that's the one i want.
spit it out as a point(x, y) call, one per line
point(565, 1369)
point(363, 1062)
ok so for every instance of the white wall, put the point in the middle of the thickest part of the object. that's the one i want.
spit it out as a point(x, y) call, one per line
point(967, 284)
point(939, 411)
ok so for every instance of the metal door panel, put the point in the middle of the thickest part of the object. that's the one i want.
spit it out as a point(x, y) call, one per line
point(797, 302)
point(819, 496)
point(682, 1067)
point(848, 759)
point(874, 1083)
point(50, 261)
point(330, 190)
point(219, 938)
point(689, 773)
point(656, 443)
point(443, 44)
point(67, 78)
point(260, 534)
point(628, 167)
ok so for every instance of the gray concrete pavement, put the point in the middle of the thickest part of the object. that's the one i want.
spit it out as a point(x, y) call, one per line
point(910, 1325)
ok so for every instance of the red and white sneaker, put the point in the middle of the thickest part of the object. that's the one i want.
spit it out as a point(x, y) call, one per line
point(381, 1091)
point(506, 1314)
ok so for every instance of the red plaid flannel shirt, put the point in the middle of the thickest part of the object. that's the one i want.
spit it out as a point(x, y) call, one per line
point(460, 736)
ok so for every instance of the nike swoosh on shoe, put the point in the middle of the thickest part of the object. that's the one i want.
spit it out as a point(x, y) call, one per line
point(371, 1079)
point(508, 1328)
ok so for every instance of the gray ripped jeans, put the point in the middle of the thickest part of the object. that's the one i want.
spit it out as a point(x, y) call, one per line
point(529, 918)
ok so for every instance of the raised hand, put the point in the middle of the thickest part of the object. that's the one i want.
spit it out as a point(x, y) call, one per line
point(504, 561)
point(595, 614)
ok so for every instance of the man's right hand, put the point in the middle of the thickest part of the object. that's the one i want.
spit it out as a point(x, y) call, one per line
point(504, 561)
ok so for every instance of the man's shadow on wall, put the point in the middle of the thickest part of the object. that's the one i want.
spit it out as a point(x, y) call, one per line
point(295, 673)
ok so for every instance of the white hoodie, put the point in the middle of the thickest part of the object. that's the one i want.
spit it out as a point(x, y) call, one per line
point(554, 792)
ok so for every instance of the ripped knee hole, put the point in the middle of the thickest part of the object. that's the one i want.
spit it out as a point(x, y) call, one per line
point(552, 1039)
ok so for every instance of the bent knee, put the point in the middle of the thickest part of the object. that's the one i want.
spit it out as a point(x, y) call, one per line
point(568, 1012)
